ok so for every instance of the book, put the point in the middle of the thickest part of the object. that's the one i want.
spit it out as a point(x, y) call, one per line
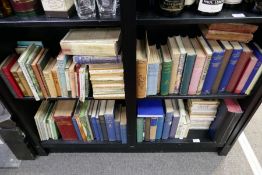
point(254, 81)
point(150, 108)
point(159, 129)
point(257, 52)
point(198, 67)
point(188, 66)
point(159, 71)
point(246, 73)
point(91, 59)
point(186, 127)
point(79, 136)
point(153, 129)
point(182, 112)
point(101, 117)
point(239, 68)
point(169, 110)
point(76, 118)
point(56, 81)
point(117, 122)
point(123, 126)
point(109, 118)
point(92, 41)
point(13, 71)
point(181, 63)
point(82, 83)
point(84, 121)
point(24, 82)
point(94, 121)
point(63, 118)
point(61, 63)
point(68, 86)
point(72, 79)
point(175, 55)
point(49, 78)
point(208, 53)
point(166, 70)
point(214, 66)
point(229, 112)
point(228, 52)
point(147, 129)
point(175, 120)
point(141, 70)
point(140, 129)
point(237, 50)
point(233, 27)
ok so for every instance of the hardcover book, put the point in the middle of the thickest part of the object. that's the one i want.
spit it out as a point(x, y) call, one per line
point(140, 129)
point(61, 63)
point(13, 71)
point(102, 119)
point(56, 80)
point(49, 78)
point(123, 126)
point(182, 121)
point(150, 108)
point(166, 70)
point(84, 121)
point(117, 122)
point(109, 118)
point(153, 129)
point(175, 120)
point(94, 121)
point(169, 110)
point(76, 118)
point(23, 81)
point(90, 59)
point(233, 27)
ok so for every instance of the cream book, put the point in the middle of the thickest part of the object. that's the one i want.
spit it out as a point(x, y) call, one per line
point(49, 78)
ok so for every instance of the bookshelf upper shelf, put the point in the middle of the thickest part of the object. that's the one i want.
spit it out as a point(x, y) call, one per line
point(189, 16)
point(43, 21)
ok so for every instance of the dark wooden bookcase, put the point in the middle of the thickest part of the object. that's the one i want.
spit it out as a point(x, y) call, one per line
point(51, 30)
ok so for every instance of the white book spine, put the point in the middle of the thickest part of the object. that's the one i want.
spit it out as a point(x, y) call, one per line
point(179, 72)
point(68, 87)
point(82, 84)
point(29, 80)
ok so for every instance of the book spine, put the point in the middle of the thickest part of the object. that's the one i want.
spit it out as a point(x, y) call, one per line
point(19, 83)
point(90, 136)
point(167, 126)
point(141, 78)
point(245, 75)
point(62, 78)
point(123, 133)
point(147, 129)
point(173, 75)
point(179, 72)
point(29, 81)
point(159, 130)
point(68, 87)
point(212, 71)
point(110, 125)
point(66, 128)
point(40, 81)
point(78, 79)
point(159, 78)
point(84, 126)
point(165, 78)
point(188, 68)
point(82, 84)
point(72, 83)
point(33, 78)
point(99, 130)
point(179, 128)
point(103, 126)
point(117, 127)
point(254, 81)
point(86, 84)
point(95, 129)
point(81, 129)
point(229, 70)
point(174, 127)
point(77, 129)
point(152, 74)
point(24, 83)
point(50, 84)
point(76, 84)
point(203, 75)
point(79, 59)
point(139, 129)
point(153, 128)
point(196, 75)
point(54, 130)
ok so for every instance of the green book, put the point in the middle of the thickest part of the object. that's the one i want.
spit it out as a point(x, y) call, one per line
point(166, 70)
point(189, 65)
point(46, 119)
point(85, 123)
point(52, 126)
point(140, 129)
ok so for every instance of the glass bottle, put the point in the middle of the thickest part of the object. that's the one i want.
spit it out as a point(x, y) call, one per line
point(85, 8)
point(171, 7)
point(106, 8)
point(210, 7)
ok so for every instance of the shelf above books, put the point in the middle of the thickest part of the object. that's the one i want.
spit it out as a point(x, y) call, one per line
point(189, 16)
point(43, 21)
point(210, 96)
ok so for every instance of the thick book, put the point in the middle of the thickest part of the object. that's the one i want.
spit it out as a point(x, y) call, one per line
point(175, 120)
point(175, 55)
point(150, 108)
point(139, 129)
point(237, 50)
point(169, 110)
point(188, 67)
point(248, 70)
point(84, 121)
point(228, 52)
point(229, 113)
point(233, 27)
point(257, 51)
point(98, 123)
point(181, 63)
point(153, 129)
point(123, 126)
point(77, 128)
point(166, 70)
point(239, 68)
point(198, 67)
point(208, 53)
point(214, 66)
point(141, 69)
point(102, 119)
point(109, 118)
point(117, 122)
point(63, 118)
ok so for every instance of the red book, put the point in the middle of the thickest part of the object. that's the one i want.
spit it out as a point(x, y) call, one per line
point(239, 68)
point(250, 66)
point(63, 118)
point(6, 71)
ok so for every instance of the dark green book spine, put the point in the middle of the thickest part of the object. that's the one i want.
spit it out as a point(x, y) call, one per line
point(187, 72)
point(165, 77)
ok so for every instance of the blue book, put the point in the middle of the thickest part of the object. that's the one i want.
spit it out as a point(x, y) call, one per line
point(99, 129)
point(28, 43)
point(237, 50)
point(150, 108)
point(215, 62)
point(257, 51)
point(110, 122)
point(159, 129)
point(94, 121)
point(77, 128)
point(152, 78)
point(117, 127)
point(123, 134)
point(168, 118)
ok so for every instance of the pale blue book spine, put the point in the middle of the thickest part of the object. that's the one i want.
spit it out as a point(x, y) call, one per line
point(152, 76)
point(117, 127)
point(99, 129)
point(110, 126)
point(61, 76)
point(159, 129)
point(123, 134)
point(95, 130)
point(167, 125)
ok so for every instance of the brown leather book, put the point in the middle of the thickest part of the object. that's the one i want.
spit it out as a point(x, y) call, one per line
point(233, 27)
point(240, 66)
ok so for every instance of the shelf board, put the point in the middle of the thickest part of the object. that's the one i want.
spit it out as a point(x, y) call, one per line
point(210, 96)
point(43, 21)
point(64, 98)
point(191, 16)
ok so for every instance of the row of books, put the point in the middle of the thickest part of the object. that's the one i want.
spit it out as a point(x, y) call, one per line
point(36, 73)
point(99, 120)
point(190, 66)
point(172, 119)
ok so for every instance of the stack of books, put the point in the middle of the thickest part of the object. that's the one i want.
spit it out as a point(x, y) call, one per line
point(202, 113)
point(193, 66)
point(84, 121)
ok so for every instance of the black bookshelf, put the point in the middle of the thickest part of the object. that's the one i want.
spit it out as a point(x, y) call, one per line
point(129, 20)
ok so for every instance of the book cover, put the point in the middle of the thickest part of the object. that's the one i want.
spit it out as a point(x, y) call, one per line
point(68, 86)
point(153, 128)
point(94, 121)
point(239, 68)
point(102, 119)
point(117, 122)
point(228, 52)
point(237, 50)
point(159, 130)
point(23, 81)
point(188, 66)
point(168, 118)
point(257, 52)
point(90, 59)
point(139, 129)
point(166, 70)
point(175, 120)
point(150, 108)
point(123, 126)
point(84, 120)
point(214, 66)
point(182, 112)
point(198, 67)
point(82, 83)
point(72, 79)
point(109, 118)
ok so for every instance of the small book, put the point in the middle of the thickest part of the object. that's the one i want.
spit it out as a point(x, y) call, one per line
point(169, 110)
point(109, 118)
point(68, 86)
point(166, 70)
